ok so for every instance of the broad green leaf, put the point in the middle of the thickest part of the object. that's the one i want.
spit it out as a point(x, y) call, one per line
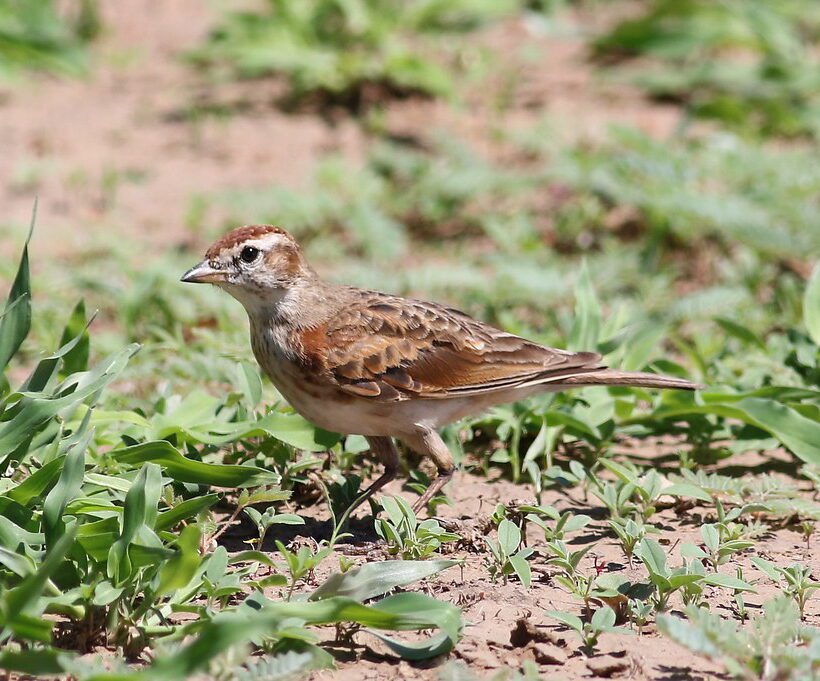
point(570, 620)
point(183, 469)
point(687, 635)
point(67, 488)
point(178, 571)
point(603, 618)
point(740, 332)
point(375, 579)
point(140, 511)
point(35, 661)
point(727, 581)
point(653, 556)
point(430, 648)
point(183, 510)
point(18, 605)
point(522, 569)
point(509, 536)
point(799, 433)
point(36, 483)
point(687, 491)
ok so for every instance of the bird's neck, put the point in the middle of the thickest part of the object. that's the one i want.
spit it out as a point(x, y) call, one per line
point(298, 306)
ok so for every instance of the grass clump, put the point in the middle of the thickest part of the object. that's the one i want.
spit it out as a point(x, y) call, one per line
point(34, 34)
point(752, 66)
point(350, 52)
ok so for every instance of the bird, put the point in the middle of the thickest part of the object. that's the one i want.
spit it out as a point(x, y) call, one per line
point(358, 361)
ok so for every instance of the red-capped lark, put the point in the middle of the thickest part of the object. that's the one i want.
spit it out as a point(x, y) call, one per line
point(354, 361)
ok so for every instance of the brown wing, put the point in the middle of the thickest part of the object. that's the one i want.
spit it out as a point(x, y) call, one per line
point(391, 348)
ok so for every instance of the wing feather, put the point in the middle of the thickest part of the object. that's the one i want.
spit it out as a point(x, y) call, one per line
point(389, 348)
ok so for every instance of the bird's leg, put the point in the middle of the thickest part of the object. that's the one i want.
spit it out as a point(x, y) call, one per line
point(428, 442)
point(386, 452)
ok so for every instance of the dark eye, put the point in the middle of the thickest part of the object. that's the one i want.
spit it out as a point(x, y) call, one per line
point(249, 254)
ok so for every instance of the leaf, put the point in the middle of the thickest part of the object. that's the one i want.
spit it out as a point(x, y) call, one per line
point(38, 409)
point(710, 537)
point(797, 432)
point(179, 570)
point(375, 579)
point(509, 536)
point(15, 321)
point(36, 483)
point(76, 360)
point(570, 620)
point(740, 332)
point(687, 491)
point(250, 381)
point(139, 511)
point(687, 635)
point(35, 661)
point(522, 569)
point(811, 305)
point(67, 488)
point(183, 469)
point(603, 618)
point(17, 604)
point(653, 556)
point(407, 611)
point(183, 510)
point(766, 567)
point(729, 582)
point(641, 345)
point(440, 644)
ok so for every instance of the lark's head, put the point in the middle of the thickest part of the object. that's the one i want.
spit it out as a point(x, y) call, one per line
point(256, 264)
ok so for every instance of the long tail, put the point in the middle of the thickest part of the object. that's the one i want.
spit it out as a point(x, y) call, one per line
point(628, 378)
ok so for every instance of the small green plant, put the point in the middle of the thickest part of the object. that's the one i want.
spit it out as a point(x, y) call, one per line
point(739, 606)
point(776, 647)
point(749, 66)
point(40, 35)
point(639, 613)
point(718, 547)
point(577, 583)
point(601, 622)
point(799, 584)
point(302, 562)
point(350, 52)
point(630, 533)
point(264, 521)
point(565, 522)
point(507, 555)
point(688, 578)
point(405, 535)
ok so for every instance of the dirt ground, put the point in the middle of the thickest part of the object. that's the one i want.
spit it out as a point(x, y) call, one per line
point(505, 623)
point(121, 150)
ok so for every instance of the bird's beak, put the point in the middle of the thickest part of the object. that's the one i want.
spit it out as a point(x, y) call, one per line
point(203, 274)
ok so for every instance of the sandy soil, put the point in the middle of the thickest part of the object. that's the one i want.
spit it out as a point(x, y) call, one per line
point(505, 623)
point(125, 151)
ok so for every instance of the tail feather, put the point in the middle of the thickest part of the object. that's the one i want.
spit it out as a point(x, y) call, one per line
point(640, 379)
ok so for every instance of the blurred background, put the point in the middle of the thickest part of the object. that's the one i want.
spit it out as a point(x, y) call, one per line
point(476, 152)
